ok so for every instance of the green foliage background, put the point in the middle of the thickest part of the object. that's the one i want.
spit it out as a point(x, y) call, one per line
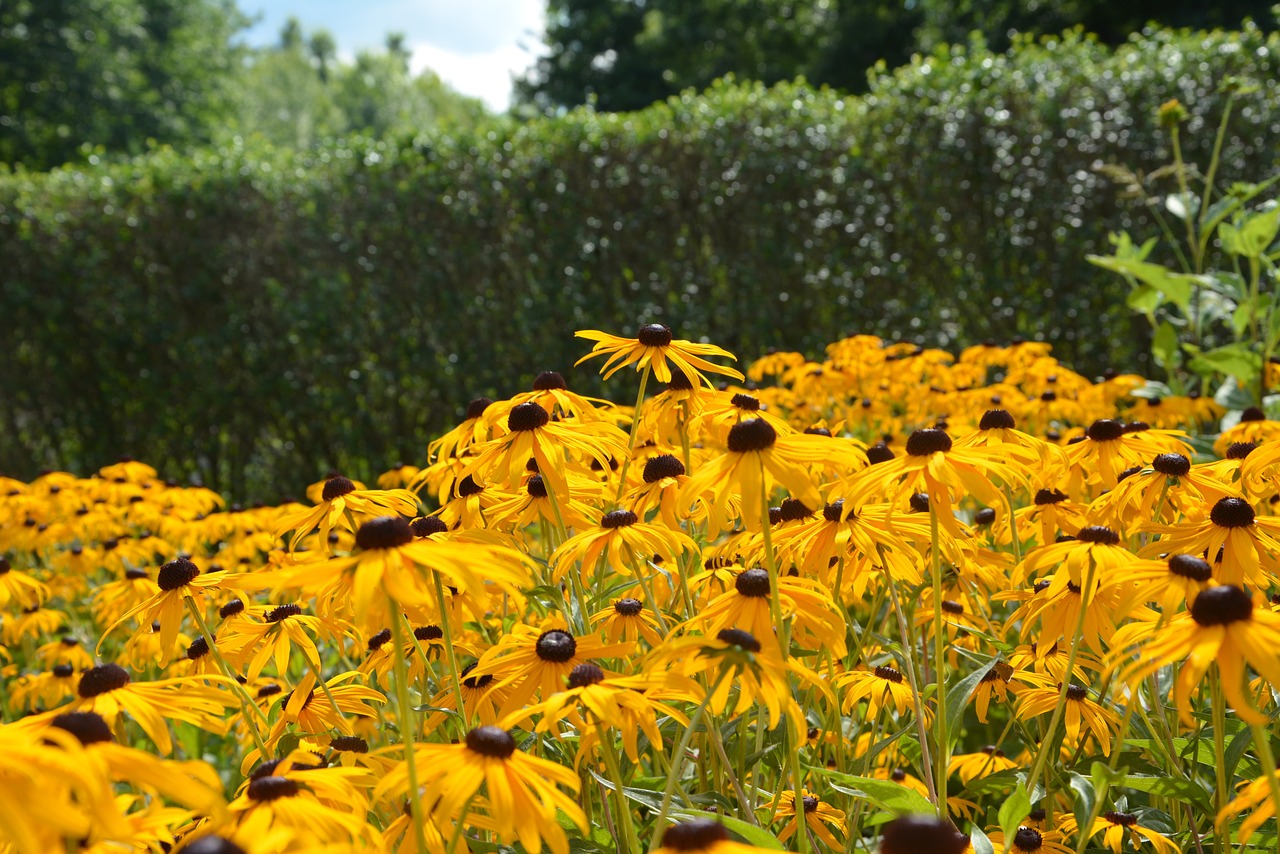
point(356, 295)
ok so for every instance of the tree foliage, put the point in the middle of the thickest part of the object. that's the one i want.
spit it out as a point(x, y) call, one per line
point(625, 54)
point(112, 74)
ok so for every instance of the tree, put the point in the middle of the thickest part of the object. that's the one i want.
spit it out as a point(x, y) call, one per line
point(112, 74)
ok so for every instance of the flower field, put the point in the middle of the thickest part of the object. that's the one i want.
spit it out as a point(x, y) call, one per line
point(894, 600)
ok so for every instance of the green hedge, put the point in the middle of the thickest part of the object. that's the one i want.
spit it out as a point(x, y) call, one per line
point(255, 317)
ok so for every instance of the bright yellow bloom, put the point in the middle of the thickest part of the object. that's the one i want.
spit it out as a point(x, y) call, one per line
point(340, 501)
point(653, 347)
point(1117, 827)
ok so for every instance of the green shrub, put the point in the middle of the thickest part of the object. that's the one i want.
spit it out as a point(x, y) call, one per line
point(242, 314)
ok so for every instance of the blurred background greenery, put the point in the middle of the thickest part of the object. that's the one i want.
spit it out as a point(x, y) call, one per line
point(251, 265)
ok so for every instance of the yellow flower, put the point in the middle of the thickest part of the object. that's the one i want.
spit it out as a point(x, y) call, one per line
point(1116, 827)
point(1242, 546)
point(19, 587)
point(880, 687)
point(1253, 795)
point(523, 791)
point(1083, 716)
point(817, 621)
point(621, 539)
point(988, 760)
point(817, 815)
point(1222, 627)
point(653, 347)
point(627, 620)
point(340, 499)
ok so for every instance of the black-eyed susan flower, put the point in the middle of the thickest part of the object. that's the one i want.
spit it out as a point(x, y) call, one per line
point(819, 817)
point(109, 691)
point(1030, 840)
point(19, 587)
point(393, 561)
point(627, 705)
point(323, 804)
point(530, 661)
point(1222, 626)
point(933, 465)
point(986, 761)
point(654, 347)
point(273, 633)
point(912, 834)
point(482, 698)
point(1169, 486)
point(882, 687)
point(311, 709)
point(177, 580)
point(758, 457)
point(524, 792)
point(533, 435)
point(619, 539)
point(1050, 514)
point(1108, 448)
point(1082, 717)
point(817, 622)
point(1257, 798)
point(340, 500)
point(1117, 828)
point(1242, 546)
point(628, 620)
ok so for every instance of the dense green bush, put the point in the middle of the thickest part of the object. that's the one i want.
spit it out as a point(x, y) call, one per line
point(245, 315)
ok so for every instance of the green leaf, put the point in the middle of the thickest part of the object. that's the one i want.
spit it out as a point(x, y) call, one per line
point(1014, 810)
point(1235, 360)
point(1259, 231)
point(1084, 801)
point(1169, 787)
point(750, 834)
point(1164, 346)
point(885, 794)
point(1175, 287)
point(958, 695)
point(979, 842)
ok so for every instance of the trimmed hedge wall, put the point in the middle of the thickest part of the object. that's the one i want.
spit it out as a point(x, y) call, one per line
point(254, 317)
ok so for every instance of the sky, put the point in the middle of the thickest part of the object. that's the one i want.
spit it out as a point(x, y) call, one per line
point(474, 45)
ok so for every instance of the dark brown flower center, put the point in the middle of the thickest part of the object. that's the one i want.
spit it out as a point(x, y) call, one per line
point(1222, 605)
point(132, 573)
point(879, 453)
point(549, 381)
point(833, 511)
point(1049, 496)
point(526, 417)
point(810, 803)
point(1240, 450)
point(477, 407)
point(996, 419)
point(198, 649)
point(917, 834)
point(556, 646)
point(376, 642)
point(928, 441)
point(467, 487)
point(177, 573)
point(102, 679)
point(384, 532)
point(1098, 534)
point(1028, 839)
point(919, 502)
point(1077, 692)
point(1171, 465)
point(62, 671)
point(585, 674)
point(349, 744)
point(233, 607)
point(474, 682)
point(697, 835)
point(663, 465)
point(739, 638)
point(1253, 413)
point(950, 606)
point(425, 526)
point(753, 583)
point(336, 487)
point(272, 788)
point(536, 487)
point(745, 402)
point(654, 335)
point(87, 727)
point(213, 845)
point(491, 741)
point(283, 612)
point(889, 674)
point(1104, 430)
point(1231, 513)
point(753, 434)
point(1124, 819)
point(1190, 566)
point(628, 607)
point(618, 519)
point(793, 510)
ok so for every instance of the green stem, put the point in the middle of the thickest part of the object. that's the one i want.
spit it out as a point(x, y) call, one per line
point(630, 839)
point(635, 428)
point(914, 680)
point(407, 725)
point(247, 707)
point(942, 741)
point(678, 760)
point(450, 656)
point(1219, 712)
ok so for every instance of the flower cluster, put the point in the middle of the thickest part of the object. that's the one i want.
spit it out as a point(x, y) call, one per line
point(777, 612)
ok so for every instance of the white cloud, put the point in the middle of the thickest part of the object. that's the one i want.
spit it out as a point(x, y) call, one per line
point(474, 45)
